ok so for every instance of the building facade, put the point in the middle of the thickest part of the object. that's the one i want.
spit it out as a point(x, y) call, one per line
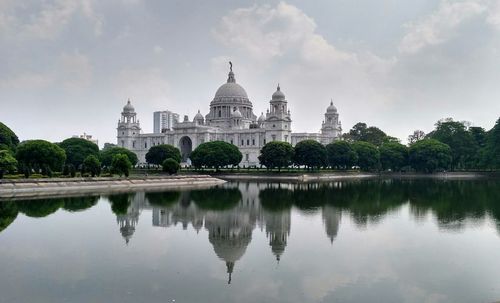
point(231, 119)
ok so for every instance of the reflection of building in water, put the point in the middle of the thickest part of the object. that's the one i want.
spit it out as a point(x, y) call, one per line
point(277, 230)
point(184, 213)
point(128, 221)
point(331, 218)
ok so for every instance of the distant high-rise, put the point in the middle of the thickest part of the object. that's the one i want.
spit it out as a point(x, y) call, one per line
point(164, 120)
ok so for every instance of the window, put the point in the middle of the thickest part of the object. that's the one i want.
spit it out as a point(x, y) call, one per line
point(220, 113)
point(286, 138)
point(123, 133)
point(145, 144)
point(248, 141)
point(133, 144)
point(246, 157)
point(274, 125)
point(242, 142)
point(253, 141)
point(231, 141)
point(274, 137)
point(264, 141)
point(123, 143)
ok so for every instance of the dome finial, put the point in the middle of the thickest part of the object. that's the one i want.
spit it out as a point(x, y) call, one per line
point(278, 86)
point(331, 101)
point(230, 78)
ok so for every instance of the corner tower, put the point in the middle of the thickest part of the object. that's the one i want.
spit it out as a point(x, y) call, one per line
point(278, 122)
point(331, 127)
point(128, 129)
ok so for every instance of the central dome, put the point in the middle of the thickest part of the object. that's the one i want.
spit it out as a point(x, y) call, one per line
point(230, 90)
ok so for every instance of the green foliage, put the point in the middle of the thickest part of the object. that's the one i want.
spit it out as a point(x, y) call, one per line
point(170, 166)
point(310, 153)
point(341, 155)
point(39, 208)
point(276, 154)
point(216, 198)
point(216, 154)
point(8, 213)
point(393, 156)
point(108, 146)
point(74, 204)
point(455, 135)
point(163, 199)
point(120, 203)
point(492, 151)
point(429, 155)
point(8, 139)
point(361, 132)
point(106, 155)
point(39, 154)
point(121, 165)
point(368, 155)
point(78, 149)
point(7, 163)
point(92, 165)
point(159, 153)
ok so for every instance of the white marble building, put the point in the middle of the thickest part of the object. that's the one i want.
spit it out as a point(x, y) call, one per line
point(231, 119)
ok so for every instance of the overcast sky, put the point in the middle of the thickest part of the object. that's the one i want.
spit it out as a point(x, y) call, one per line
point(68, 67)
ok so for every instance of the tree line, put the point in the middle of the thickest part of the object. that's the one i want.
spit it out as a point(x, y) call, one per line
point(452, 145)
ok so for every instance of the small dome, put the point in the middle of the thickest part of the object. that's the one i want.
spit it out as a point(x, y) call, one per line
point(198, 116)
point(236, 114)
point(278, 94)
point(128, 107)
point(331, 108)
point(262, 118)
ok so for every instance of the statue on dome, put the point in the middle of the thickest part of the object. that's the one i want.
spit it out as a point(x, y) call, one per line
point(230, 66)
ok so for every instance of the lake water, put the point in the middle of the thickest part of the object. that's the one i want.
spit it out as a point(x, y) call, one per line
point(356, 241)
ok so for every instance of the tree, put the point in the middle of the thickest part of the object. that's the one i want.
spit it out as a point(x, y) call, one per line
point(7, 162)
point(276, 154)
point(361, 132)
point(368, 155)
point(121, 165)
point(341, 155)
point(159, 153)
point(77, 149)
point(40, 154)
point(393, 156)
point(455, 135)
point(429, 155)
point(416, 136)
point(92, 165)
point(106, 155)
point(493, 146)
point(216, 154)
point(108, 145)
point(170, 166)
point(310, 153)
point(8, 139)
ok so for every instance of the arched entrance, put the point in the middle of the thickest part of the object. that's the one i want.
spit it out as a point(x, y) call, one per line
point(186, 147)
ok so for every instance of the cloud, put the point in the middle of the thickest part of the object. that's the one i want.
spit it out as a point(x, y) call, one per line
point(76, 71)
point(440, 26)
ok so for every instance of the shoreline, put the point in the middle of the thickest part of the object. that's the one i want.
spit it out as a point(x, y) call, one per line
point(37, 188)
point(338, 176)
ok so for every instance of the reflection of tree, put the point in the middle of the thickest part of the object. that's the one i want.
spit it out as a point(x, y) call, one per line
point(39, 208)
point(452, 202)
point(8, 213)
point(217, 198)
point(164, 199)
point(74, 204)
point(309, 196)
point(120, 203)
point(276, 199)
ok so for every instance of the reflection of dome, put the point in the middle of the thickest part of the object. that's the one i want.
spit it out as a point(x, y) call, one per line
point(128, 108)
point(278, 94)
point(331, 108)
point(236, 114)
point(262, 118)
